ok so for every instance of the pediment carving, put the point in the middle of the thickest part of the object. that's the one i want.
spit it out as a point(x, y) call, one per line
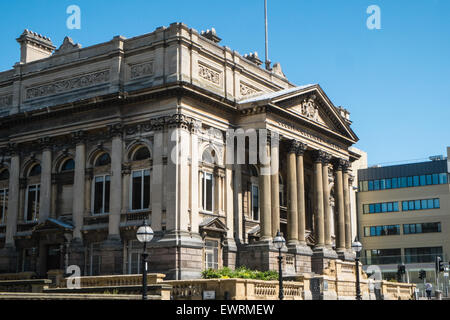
point(67, 46)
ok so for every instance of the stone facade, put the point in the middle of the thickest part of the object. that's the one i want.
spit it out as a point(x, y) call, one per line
point(95, 140)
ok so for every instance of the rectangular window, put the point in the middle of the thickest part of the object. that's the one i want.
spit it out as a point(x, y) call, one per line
point(382, 184)
point(140, 190)
point(376, 185)
point(417, 205)
point(388, 183)
point(430, 204)
point(423, 181)
point(410, 181)
point(384, 207)
point(390, 207)
point(3, 206)
point(396, 206)
point(422, 255)
point(101, 194)
point(95, 260)
point(365, 185)
point(208, 191)
point(442, 178)
point(394, 183)
point(424, 204)
point(32, 208)
point(437, 205)
point(416, 182)
point(370, 185)
point(378, 207)
point(429, 179)
point(211, 254)
point(436, 178)
point(255, 202)
point(366, 208)
point(405, 205)
point(411, 205)
point(372, 208)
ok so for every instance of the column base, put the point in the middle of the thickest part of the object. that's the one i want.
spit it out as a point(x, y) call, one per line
point(230, 253)
point(111, 256)
point(320, 259)
point(8, 259)
point(177, 254)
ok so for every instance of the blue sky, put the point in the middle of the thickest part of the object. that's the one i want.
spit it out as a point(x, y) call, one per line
point(395, 81)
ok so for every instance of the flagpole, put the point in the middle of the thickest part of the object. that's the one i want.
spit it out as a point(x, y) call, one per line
point(267, 38)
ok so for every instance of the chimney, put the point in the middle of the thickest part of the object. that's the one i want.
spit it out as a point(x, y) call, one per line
point(211, 35)
point(34, 46)
point(253, 57)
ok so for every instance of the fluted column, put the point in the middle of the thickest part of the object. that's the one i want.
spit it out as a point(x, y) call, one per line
point(326, 200)
point(301, 194)
point(339, 190)
point(348, 230)
point(318, 199)
point(292, 202)
point(13, 200)
point(46, 181)
point(264, 196)
point(78, 204)
point(275, 185)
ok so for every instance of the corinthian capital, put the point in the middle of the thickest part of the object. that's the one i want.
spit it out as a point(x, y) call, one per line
point(319, 156)
point(340, 164)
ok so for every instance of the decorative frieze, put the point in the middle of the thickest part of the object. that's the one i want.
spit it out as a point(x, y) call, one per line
point(141, 70)
point(56, 87)
point(209, 74)
point(6, 101)
point(247, 90)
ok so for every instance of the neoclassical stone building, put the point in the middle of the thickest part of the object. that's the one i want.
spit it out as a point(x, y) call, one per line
point(95, 140)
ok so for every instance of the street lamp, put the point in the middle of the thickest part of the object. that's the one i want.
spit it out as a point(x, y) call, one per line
point(144, 235)
point(357, 247)
point(278, 243)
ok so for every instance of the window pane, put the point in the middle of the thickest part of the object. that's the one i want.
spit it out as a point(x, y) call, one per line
point(370, 185)
point(388, 183)
point(255, 202)
point(366, 208)
point(390, 207)
point(416, 181)
point(31, 203)
point(366, 231)
point(411, 205)
point(423, 181)
point(436, 204)
point(365, 185)
point(417, 204)
point(372, 208)
point(377, 207)
point(382, 184)
point(435, 178)
point(395, 206)
point(403, 182)
point(405, 205)
point(98, 195)
point(146, 189)
point(429, 180)
point(406, 228)
point(394, 183)
point(384, 207)
point(209, 192)
point(430, 204)
point(137, 190)
point(373, 231)
point(443, 178)
point(410, 181)
point(424, 204)
point(107, 190)
point(418, 228)
point(376, 185)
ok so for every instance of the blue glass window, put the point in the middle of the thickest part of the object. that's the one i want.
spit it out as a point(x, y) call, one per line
point(424, 204)
point(376, 185)
point(388, 183)
point(384, 207)
point(405, 205)
point(370, 185)
point(390, 207)
point(416, 181)
point(373, 231)
point(394, 183)
point(429, 179)
point(435, 178)
point(443, 178)
point(406, 228)
point(372, 208)
point(382, 184)
point(395, 206)
point(423, 181)
point(410, 181)
point(377, 207)
point(411, 205)
point(436, 204)
point(417, 204)
point(403, 182)
point(430, 204)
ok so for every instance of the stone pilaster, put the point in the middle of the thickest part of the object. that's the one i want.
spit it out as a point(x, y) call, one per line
point(78, 205)
point(318, 198)
point(275, 185)
point(265, 195)
point(126, 171)
point(156, 188)
point(116, 184)
point(13, 200)
point(347, 216)
point(89, 174)
point(54, 197)
point(46, 180)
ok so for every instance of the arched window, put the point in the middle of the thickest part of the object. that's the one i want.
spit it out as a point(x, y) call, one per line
point(4, 174)
point(103, 160)
point(68, 165)
point(209, 156)
point(141, 154)
point(35, 170)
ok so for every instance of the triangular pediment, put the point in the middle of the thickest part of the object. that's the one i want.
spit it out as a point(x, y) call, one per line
point(213, 224)
point(310, 104)
point(51, 225)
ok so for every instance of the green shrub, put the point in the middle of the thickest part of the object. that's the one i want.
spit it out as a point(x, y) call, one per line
point(241, 272)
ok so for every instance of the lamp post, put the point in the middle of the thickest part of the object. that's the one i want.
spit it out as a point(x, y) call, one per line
point(278, 243)
point(357, 247)
point(144, 235)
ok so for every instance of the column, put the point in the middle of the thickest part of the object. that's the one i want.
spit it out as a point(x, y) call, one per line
point(237, 203)
point(157, 180)
point(275, 184)
point(54, 197)
point(78, 205)
point(326, 200)
point(89, 174)
point(23, 190)
point(116, 186)
point(347, 222)
point(292, 202)
point(318, 199)
point(339, 191)
point(264, 195)
point(46, 182)
point(195, 157)
point(126, 171)
point(301, 194)
point(13, 200)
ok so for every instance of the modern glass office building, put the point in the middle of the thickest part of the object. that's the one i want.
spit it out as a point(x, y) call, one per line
point(404, 217)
